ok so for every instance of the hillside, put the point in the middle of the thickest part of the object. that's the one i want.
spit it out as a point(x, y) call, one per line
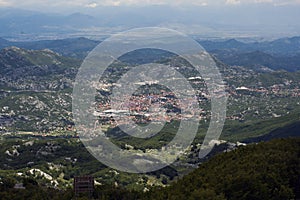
point(34, 69)
point(35, 89)
point(282, 46)
point(70, 47)
point(279, 54)
point(290, 130)
point(36, 85)
point(258, 60)
point(268, 170)
point(264, 171)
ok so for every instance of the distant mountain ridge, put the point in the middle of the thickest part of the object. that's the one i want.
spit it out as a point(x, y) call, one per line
point(258, 60)
point(279, 47)
point(71, 47)
point(35, 69)
point(281, 54)
point(18, 21)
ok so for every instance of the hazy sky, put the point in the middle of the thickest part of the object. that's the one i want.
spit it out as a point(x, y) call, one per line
point(228, 18)
point(94, 4)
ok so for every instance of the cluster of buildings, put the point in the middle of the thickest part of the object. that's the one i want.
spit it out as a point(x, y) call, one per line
point(147, 108)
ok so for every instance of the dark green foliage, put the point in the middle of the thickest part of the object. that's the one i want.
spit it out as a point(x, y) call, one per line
point(263, 171)
point(269, 170)
point(36, 193)
point(29, 182)
point(290, 130)
point(7, 183)
point(255, 130)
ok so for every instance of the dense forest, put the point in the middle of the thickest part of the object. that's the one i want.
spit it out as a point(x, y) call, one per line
point(268, 170)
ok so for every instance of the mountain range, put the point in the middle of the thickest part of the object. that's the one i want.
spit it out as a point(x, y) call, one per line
point(258, 60)
point(36, 94)
point(253, 21)
point(70, 47)
point(281, 54)
point(279, 47)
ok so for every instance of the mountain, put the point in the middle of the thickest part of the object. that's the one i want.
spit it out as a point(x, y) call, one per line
point(269, 170)
point(20, 63)
point(264, 171)
point(35, 95)
point(231, 44)
point(257, 56)
point(34, 87)
point(258, 60)
point(290, 130)
point(280, 54)
point(17, 21)
point(282, 46)
point(3, 43)
point(279, 47)
point(45, 75)
point(207, 21)
point(71, 47)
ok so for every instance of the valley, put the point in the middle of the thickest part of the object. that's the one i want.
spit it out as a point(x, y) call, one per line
point(39, 140)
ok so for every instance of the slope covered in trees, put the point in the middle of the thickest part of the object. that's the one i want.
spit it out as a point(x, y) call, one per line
point(269, 170)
